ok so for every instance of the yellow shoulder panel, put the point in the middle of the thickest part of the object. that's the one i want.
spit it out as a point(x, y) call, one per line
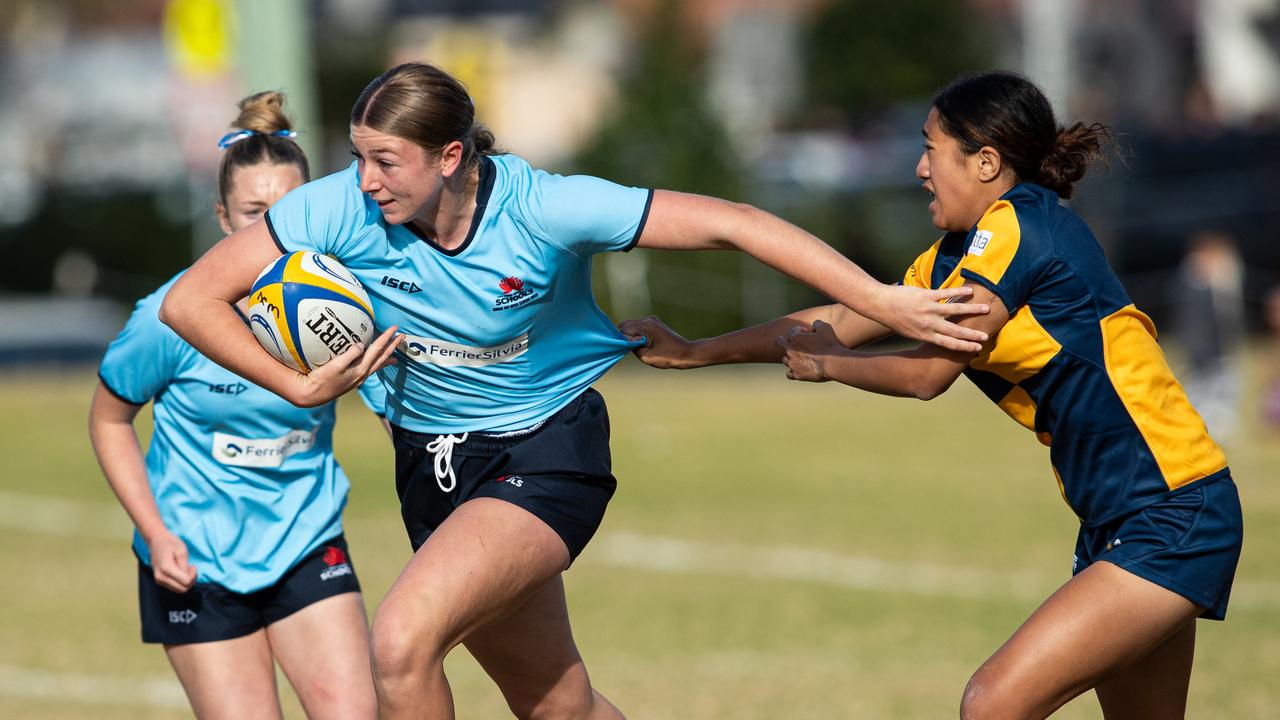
point(995, 243)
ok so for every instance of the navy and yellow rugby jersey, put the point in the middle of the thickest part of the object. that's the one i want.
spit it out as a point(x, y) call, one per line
point(1077, 363)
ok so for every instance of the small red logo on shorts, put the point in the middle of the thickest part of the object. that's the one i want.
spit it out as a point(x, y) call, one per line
point(511, 284)
point(334, 556)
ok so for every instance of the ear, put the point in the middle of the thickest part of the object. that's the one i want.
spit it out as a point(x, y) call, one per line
point(451, 158)
point(990, 164)
point(223, 218)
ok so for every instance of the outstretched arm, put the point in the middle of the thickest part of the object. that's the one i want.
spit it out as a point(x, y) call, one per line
point(816, 355)
point(680, 221)
point(664, 348)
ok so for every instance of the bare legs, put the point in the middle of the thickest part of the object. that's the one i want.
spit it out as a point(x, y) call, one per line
point(1105, 628)
point(489, 576)
point(323, 649)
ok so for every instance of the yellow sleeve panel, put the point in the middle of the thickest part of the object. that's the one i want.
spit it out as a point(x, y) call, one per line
point(1022, 348)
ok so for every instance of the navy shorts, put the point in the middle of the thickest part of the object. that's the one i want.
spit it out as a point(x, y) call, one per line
point(209, 612)
point(560, 471)
point(1188, 542)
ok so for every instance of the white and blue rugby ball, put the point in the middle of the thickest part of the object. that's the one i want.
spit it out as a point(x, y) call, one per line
point(306, 308)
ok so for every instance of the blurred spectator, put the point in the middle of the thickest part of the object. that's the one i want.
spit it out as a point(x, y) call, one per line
point(1271, 407)
point(1209, 318)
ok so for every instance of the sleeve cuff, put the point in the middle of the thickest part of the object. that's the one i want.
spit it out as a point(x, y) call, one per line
point(274, 237)
point(117, 395)
point(644, 217)
point(993, 287)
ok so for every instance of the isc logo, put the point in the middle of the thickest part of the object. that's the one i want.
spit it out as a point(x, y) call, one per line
point(228, 388)
point(405, 285)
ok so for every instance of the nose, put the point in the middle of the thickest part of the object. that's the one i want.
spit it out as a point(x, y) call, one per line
point(922, 166)
point(368, 180)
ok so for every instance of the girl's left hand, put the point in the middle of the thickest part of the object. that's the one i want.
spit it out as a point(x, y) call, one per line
point(806, 350)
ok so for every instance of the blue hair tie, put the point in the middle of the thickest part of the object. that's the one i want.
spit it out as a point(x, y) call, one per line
point(236, 136)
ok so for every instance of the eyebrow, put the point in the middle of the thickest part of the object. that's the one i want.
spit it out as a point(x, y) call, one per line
point(379, 149)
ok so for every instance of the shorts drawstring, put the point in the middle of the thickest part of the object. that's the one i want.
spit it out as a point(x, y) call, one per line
point(442, 451)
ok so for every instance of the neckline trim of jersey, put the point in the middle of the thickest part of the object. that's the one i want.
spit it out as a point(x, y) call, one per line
point(483, 190)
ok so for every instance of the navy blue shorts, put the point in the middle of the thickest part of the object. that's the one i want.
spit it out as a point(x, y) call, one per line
point(1188, 542)
point(209, 612)
point(560, 471)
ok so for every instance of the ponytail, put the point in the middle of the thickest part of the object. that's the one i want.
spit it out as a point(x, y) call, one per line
point(1074, 149)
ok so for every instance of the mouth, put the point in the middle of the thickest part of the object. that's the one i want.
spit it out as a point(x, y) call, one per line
point(383, 203)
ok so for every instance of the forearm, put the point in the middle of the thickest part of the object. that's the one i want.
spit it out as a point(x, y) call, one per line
point(805, 258)
point(213, 327)
point(120, 456)
point(919, 373)
point(758, 344)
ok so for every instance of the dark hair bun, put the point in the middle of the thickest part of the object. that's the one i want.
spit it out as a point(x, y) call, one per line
point(1074, 149)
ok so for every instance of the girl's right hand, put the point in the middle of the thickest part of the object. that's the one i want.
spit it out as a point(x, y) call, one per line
point(169, 562)
point(346, 371)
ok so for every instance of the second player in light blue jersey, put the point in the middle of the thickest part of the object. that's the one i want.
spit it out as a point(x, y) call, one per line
point(483, 264)
point(238, 502)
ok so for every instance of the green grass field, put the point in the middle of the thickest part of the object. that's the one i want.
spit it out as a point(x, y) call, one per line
point(775, 550)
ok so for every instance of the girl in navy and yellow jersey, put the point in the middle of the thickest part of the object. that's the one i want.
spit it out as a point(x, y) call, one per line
point(1072, 360)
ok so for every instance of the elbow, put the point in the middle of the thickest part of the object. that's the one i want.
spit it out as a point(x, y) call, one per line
point(744, 218)
point(167, 312)
point(928, 387)
point(171, 311)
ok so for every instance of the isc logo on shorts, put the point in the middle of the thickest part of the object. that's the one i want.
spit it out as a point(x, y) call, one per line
point(182, 617)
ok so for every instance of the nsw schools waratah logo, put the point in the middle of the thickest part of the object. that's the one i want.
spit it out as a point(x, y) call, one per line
point(514, 294)
point(334, 556)
point(337, 563)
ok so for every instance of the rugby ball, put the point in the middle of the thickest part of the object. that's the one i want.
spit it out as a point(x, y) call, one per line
point(306, 308)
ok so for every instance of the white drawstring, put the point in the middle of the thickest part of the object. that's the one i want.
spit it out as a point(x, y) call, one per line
point(442, 449)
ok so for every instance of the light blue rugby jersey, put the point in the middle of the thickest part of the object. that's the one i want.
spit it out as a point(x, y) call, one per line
point(244, 477)
point(504, 330)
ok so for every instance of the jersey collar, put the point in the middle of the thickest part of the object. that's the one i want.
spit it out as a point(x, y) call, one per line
point(483, 190)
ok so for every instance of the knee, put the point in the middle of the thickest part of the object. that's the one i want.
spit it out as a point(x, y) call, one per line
point(985, 699)
point(400, 647)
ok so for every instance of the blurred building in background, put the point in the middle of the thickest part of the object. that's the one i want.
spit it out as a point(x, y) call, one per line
point(109, 115)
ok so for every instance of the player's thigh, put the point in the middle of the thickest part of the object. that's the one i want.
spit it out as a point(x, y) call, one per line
point(324, 651)
point(531, 654)
point(1099, 622)
point(231, 679)
point(1154, 687)
point(478, 566)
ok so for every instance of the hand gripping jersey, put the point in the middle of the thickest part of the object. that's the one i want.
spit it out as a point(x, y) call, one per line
point(244, 477)
point(502, 331)
point(1077, 363)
